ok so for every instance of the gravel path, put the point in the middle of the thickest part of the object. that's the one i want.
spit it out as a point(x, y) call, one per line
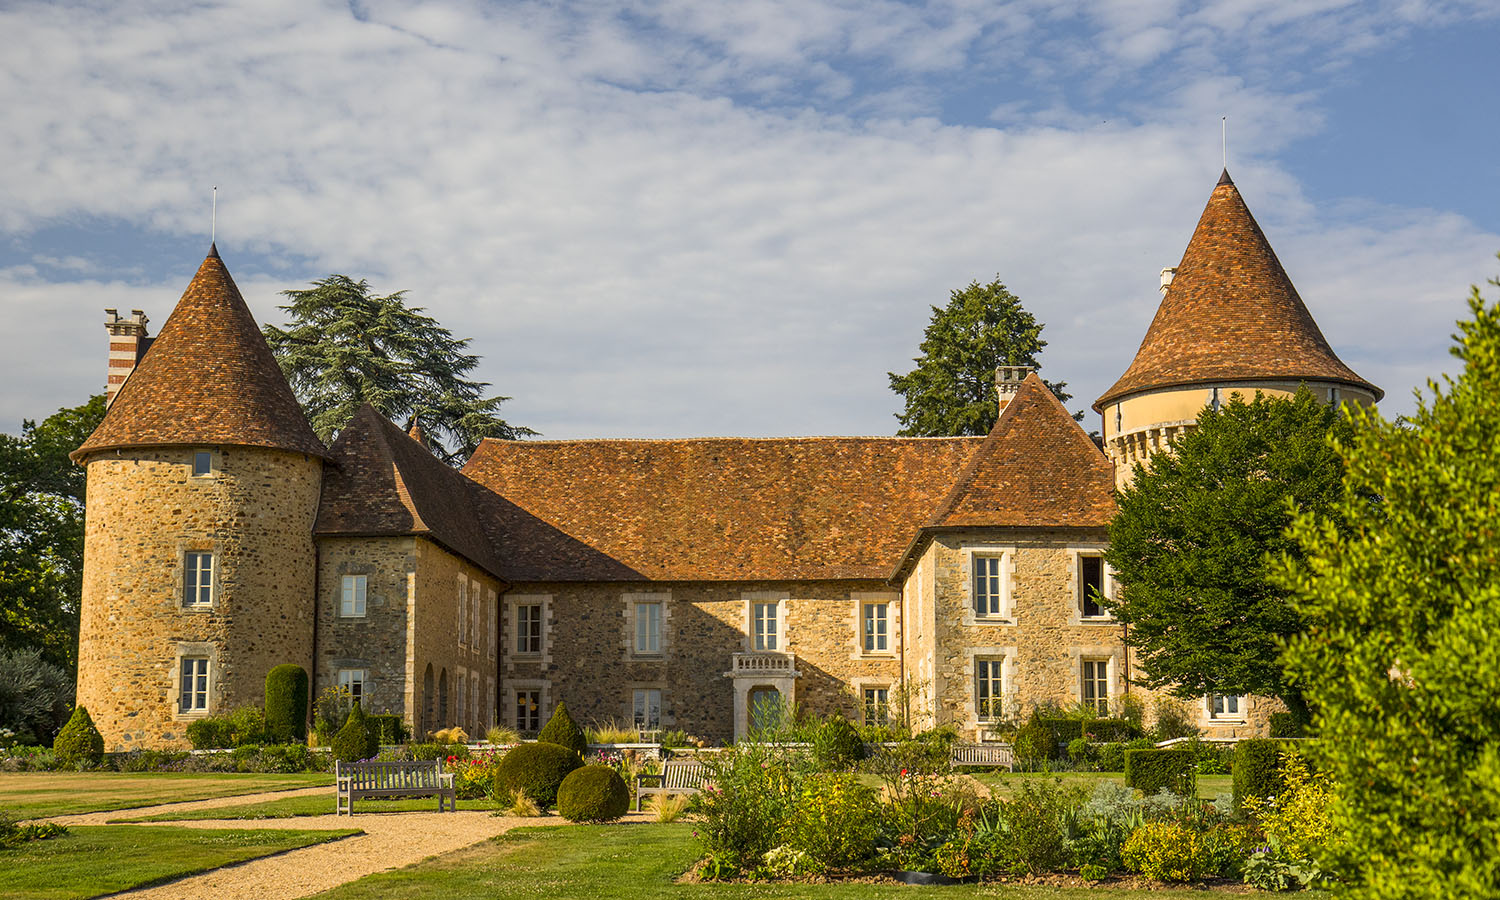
point(391, 840)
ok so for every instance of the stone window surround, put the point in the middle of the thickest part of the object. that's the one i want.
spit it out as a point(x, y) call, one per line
point(544, 705)
point(667, 719)
point(1115, 655)
point(463, 611)
point(214, 464)
point(493, 621)
point(476, 611)
point(859, 683)
point(1075, 608)
point(476, 705)
point(461, 698)
point(1241, 718)
point(1007, 554)
point(192, 650)
point(511, 602)
point(858, 601)
point(632, 599)
point(781, 599)
point(179, 578)
point(343, 577)
point(365, 684)
point(492, 714)
point(1007, 655)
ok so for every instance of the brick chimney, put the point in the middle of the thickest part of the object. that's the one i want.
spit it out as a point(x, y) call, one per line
point(128, 342)
point(1008, 380)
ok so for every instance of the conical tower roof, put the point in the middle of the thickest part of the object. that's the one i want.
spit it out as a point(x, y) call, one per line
point(208, 379)
point(1231, 314)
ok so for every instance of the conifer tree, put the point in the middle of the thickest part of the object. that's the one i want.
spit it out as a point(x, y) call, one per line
point(563, 731)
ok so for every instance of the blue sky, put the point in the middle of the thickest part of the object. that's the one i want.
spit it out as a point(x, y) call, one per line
point(677, 218)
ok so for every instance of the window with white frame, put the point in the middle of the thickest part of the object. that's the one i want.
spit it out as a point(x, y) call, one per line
point(461, 708)
point(463, 611)
point(989, 585)
point(203, 463)
point(353, 681)
point(529, 628)
point(352, 599)
point(528, 709)
point(648, 627)
point(197, 578)
point(1094, 685)
point(876, 628)
point(192, 694)
point(475, 606)
point(647, 705)
point(764, 626)
point(1230, 707)
point(877, 705)
point(989, 688)
point(1092, 586)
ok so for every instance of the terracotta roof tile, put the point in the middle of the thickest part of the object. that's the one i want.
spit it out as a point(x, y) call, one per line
point(713, 508)
point(1230, 314)
point(208, 379)
point(383, 482)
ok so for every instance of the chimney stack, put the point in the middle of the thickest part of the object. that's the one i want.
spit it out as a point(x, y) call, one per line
point(128, 342)
point(1008, 380)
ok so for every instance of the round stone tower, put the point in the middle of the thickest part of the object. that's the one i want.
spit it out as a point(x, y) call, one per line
point(203, 484)
point(1229, 322)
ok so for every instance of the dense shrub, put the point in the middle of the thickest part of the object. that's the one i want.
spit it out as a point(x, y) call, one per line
point(474, 777)
point(1034, 744)
point(436, 750)
point(593, 794)
point(835, 822)
point(1111, 729)
point(1257, 769)
point(1063, 730)
point(389, 728)
point(79, 743)
point(355, 741)
point(36, 697)
point(211, 733)
point(1081, 751)
point(1035, 828)
point(1287, 725)
point(1298, 822)
point(536, 770)
point(331, 711)
point(1150, 771)
point(754, 790)
point(286, 704)
point(1165, 851)
point(563, 731)
point(1173, 720)
point(836, 744)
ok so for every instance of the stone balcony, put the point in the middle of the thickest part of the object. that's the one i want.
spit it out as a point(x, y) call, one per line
point(764, 665)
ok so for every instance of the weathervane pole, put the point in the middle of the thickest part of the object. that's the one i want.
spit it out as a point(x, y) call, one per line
point(1224, 126)
point(213, 220)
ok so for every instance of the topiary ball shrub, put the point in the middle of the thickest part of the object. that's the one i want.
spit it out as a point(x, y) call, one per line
point(79, 743)
point(356, 740)
point(837, 745)
point(593, 794)
point(563, 731)
point(536, 770)
point(286, 704)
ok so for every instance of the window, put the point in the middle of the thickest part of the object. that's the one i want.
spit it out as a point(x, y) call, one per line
point(528, 711)
point(353, 681)
point(476, 705)
point(877, 620)
point(763, 626)
point(529, 628)
point(463, 611)
point(647, 628)
point(1095, 685)
point(193, 696)
point(203, 462)
point(197, 579)
point(475, 606)
point(461, 708)
point(1226, 706)
point(352, 603)
point(988, 585)
point(492, 621)
point(989, 689)
point(877, 706)
point(1091, 587)
point(647, 704)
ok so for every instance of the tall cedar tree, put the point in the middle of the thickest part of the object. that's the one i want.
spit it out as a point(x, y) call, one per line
point(1400, 657)
point(952, 389)
point(345, 346)
point(41, 533)
point(1196, 537)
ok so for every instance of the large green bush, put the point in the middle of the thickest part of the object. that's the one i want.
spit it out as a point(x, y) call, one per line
point(593, 794)
point(356, 740)
point(211, 733)
point(835, 821)
point(836, 744)
point(536, 770)
point(1257, 769)
point(79, 743)
point(36, 697)
point(755, 790)
point(1150, 771)
point(563, 731)
point(1034, 744)
point(286, 704)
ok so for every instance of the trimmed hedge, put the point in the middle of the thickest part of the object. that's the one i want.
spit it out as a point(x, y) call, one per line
point(1257, 768)
point(286, 704)
point(1286, 725)
point(211, 733)
point(563, 731)
point(389, 728)
point(1034, 743)
point(593, 794)
point(1151, 770)
point(79, 742)
point(536, 770)
point(356, 740)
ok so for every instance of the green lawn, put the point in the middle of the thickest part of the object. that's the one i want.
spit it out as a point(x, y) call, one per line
point(1209, 786)
point(288, 807)
point(638, 862)
point(38, 794)
point(102, 859)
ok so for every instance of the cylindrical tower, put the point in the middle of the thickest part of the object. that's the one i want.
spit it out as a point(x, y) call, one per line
point(203, 485)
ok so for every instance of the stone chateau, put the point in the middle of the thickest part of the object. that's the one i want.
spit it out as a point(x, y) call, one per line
point(668, 584)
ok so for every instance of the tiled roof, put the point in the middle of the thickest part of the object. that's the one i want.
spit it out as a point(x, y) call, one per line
point(1036, 468)
point(713, 508)
point(1230, 314)
point(382, 482)
point(208, 379)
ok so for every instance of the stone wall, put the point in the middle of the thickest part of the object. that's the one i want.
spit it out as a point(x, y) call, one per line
point(446, 642)
point(146, 509)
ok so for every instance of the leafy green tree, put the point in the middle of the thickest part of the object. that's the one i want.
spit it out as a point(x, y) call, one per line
point(1194, 544)
point(345, 347)
point(1400, 656)
point(41, 533)
point(952, 389)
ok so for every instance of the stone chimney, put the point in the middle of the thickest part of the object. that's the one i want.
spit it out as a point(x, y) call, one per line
point(128, 342)
point(1167, 275)
point(1008, 380)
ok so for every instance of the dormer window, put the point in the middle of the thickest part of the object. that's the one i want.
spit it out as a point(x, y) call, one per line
point(203, 462)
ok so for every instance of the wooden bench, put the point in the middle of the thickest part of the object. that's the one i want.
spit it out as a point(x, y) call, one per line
point(677, 776)
point(395, 778)
point(993, 755)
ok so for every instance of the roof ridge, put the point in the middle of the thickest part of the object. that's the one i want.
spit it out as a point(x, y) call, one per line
point(688, 440)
